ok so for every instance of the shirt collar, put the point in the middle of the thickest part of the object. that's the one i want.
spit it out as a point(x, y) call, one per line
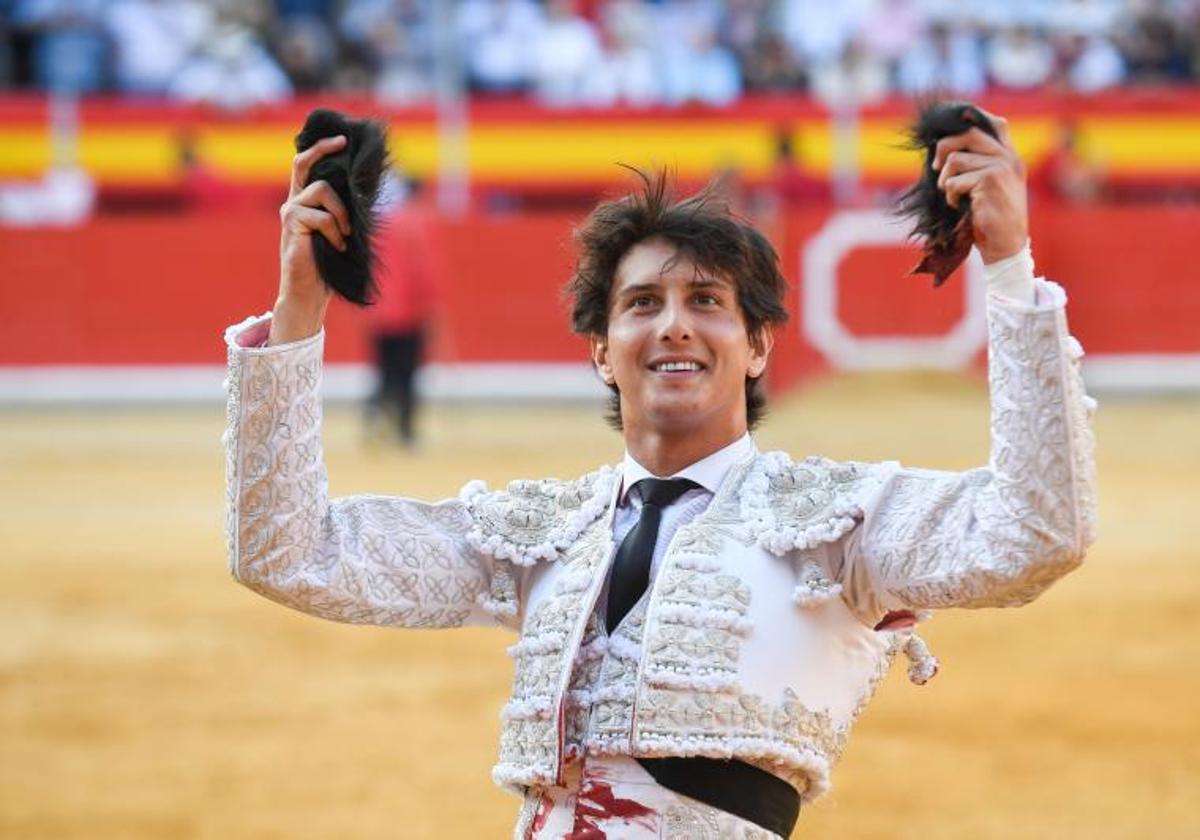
point(708, 472)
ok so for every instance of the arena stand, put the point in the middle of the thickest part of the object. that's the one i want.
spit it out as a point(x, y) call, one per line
point(129, 303)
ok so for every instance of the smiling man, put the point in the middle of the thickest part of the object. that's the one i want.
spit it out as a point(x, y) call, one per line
point(678, 346)
point(700, 625)
point(678, 301)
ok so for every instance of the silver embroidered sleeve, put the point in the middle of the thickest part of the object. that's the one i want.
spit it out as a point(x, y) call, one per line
point(360, 559)
point(1001, 534)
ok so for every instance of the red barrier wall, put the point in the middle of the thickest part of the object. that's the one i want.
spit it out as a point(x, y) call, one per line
point(159, 290)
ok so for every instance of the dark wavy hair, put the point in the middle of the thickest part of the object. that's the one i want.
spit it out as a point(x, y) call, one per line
point(706, 232)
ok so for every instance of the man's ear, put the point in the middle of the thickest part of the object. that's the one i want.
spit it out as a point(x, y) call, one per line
point(760, 350)
point(599, 345)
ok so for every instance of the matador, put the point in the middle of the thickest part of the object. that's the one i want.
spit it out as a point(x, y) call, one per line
point(698, 626)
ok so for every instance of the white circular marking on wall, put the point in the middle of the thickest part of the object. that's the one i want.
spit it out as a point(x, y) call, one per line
point(850, 229)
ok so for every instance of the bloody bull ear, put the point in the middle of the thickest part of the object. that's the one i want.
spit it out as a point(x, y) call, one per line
point(354, 173)
point(945, 232)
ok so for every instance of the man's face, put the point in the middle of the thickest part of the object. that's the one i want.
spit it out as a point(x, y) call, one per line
point(677, 346)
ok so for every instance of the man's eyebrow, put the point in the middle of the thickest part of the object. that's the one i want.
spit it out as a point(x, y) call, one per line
point(697, 281)
point(708, 281)
point(638, 288)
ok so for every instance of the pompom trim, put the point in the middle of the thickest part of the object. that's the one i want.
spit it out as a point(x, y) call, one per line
point(559, 537)
point(714, 682)
point(829, 524)
point(693, 616)
point(497, 607)
point(535, 708)
point(543, 643)
point(814, 588)
point(516, 777)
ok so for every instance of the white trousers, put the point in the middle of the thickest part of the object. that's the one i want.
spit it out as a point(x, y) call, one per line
point(614, 798)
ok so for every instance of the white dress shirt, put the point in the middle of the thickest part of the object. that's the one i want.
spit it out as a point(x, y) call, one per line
point(708, 472)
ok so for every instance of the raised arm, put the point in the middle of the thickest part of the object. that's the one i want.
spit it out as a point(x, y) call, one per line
point(303, 296)
point(361, 559)
point(997, 535)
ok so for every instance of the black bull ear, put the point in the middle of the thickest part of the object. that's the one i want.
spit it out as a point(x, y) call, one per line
point(354, 173)
point(945, 232)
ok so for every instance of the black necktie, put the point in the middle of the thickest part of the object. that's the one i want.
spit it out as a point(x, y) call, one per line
point(631, 567)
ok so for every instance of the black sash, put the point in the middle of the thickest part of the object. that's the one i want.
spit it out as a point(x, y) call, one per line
point(732, 786)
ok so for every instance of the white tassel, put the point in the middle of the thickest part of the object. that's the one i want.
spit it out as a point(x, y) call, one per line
point(922, 665)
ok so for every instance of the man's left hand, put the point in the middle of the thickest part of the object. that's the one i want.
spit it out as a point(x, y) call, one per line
point(990, 172)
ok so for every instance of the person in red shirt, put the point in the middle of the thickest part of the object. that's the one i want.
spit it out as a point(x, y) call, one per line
point(1065, 175)
point(409, 271)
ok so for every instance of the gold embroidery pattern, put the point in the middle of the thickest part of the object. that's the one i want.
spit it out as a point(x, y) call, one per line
point(360, 559)
point(536, 520)
point(998, 536)
point(988, 537)
point(797, 505)
point(529, 737)
point(790, 740)
point(701, 822)
point(698, 616)
point(611, 720)
point(585, 676)
point(501, 600)
point(689, 703)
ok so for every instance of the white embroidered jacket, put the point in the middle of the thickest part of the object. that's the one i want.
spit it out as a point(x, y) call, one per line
point(756, 640)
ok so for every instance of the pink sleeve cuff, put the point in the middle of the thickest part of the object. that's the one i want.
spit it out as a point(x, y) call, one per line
point(252, 334)
point(255, 335)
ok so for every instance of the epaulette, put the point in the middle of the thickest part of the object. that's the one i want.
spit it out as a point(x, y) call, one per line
point(535, 520)
point(798, 505)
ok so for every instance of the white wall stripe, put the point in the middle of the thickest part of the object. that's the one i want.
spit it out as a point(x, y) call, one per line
point(100, 385)
point(1149, 372)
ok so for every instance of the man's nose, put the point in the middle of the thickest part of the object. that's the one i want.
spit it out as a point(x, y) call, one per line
point(675, 321)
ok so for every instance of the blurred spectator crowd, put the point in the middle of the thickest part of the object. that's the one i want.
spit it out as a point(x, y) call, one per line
point(236, 53)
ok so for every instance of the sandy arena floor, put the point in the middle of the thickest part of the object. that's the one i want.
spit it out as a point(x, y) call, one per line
point(145, 695)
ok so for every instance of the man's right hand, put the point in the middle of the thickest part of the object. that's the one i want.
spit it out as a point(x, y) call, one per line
point(303, 296)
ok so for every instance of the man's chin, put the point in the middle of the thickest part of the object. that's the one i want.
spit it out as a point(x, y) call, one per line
point(676, 417)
